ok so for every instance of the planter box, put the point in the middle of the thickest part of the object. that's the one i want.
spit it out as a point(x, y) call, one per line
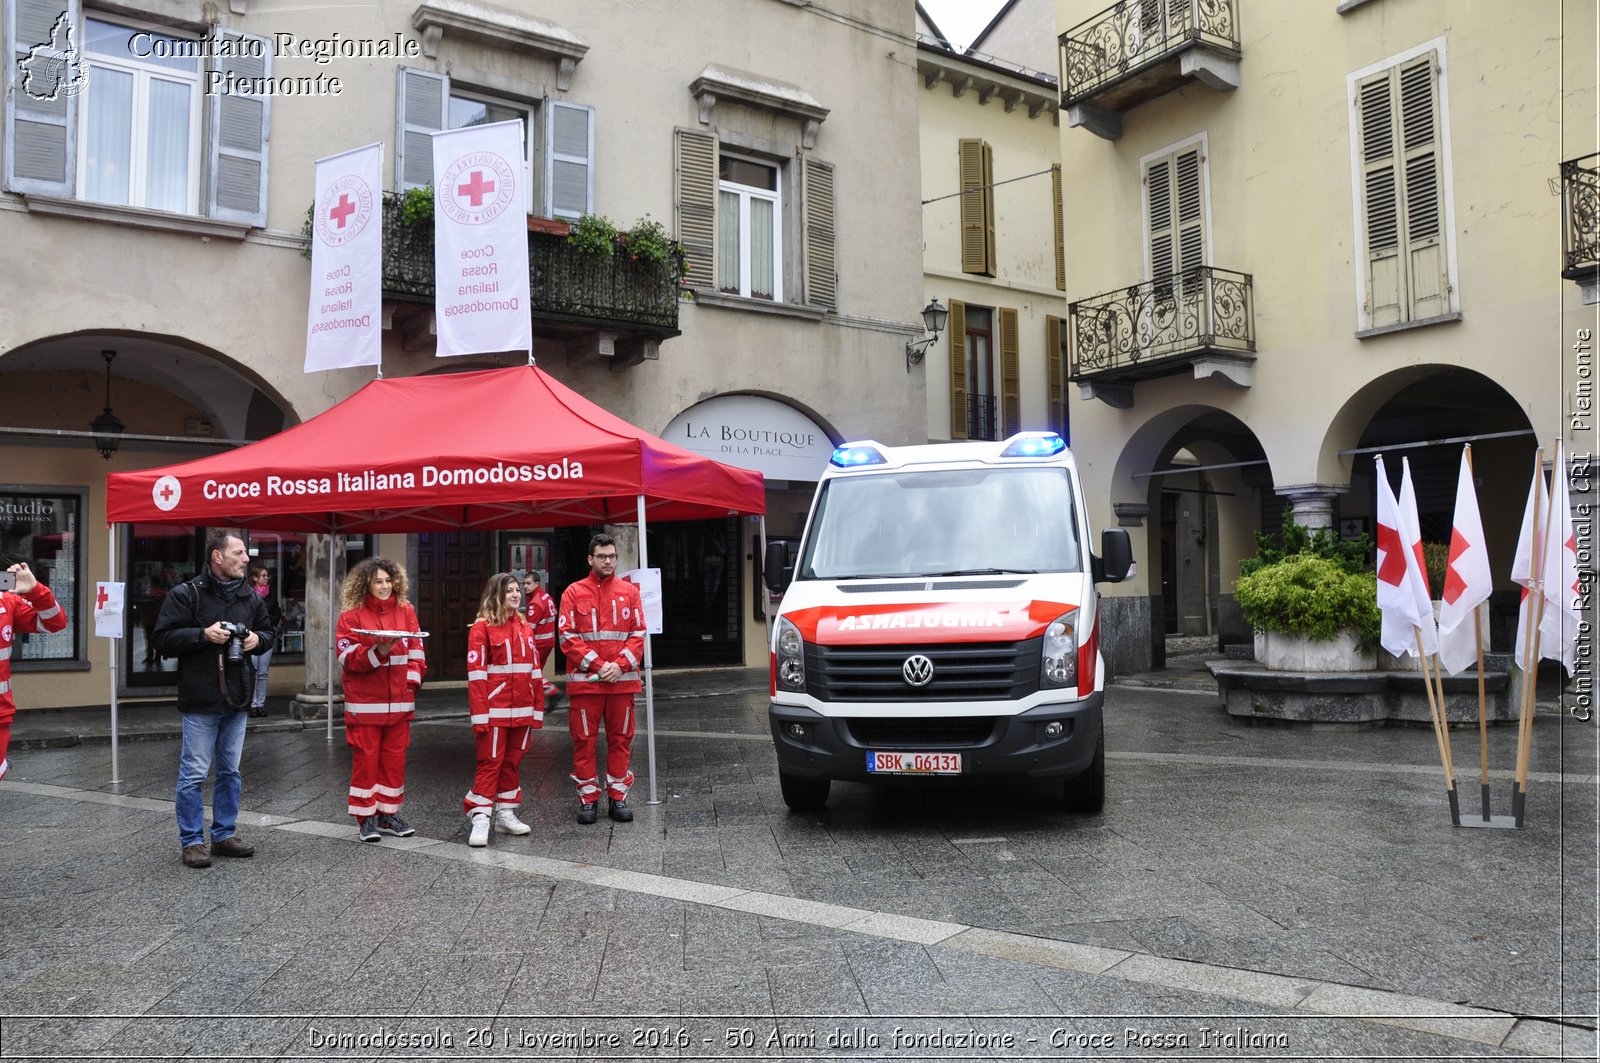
point(1291, 653)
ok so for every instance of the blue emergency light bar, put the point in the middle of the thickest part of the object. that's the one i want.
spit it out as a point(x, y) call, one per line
point(1034, 445)
point(855, 455)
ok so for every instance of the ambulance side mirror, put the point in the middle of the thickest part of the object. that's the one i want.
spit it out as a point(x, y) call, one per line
point(1116, 556)
point(777, 568)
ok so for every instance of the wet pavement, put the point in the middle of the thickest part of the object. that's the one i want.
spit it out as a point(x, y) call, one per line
point(1281, 892)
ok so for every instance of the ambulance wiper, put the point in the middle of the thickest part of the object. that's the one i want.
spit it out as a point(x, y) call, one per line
point(984, 572)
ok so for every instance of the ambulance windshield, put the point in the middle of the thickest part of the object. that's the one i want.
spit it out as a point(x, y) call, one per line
point(943, 523)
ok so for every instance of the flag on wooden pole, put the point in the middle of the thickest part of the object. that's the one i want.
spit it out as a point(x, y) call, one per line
point(1395, 600)
point(1562, 592)
point(1468, 581)
point(1416, 567)
point(1525, 567)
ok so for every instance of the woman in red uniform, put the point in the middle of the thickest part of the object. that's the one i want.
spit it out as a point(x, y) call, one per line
point(505, 690)
point(381, 677)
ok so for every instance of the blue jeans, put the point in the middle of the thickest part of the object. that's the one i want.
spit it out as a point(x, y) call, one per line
point(263, 662)
point(208, 740)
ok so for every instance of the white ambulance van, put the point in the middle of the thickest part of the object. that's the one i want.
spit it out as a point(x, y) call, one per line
point(941, 621)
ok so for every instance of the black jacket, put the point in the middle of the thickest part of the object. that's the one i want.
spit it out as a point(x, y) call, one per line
point(187, 611)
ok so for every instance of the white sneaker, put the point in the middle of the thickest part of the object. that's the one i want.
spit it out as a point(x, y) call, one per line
point(480, 832)
point(506, 822)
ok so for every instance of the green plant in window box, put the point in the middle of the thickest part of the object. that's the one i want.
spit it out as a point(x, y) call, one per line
point(649, 241)
point(594, 235)
point(416, 206)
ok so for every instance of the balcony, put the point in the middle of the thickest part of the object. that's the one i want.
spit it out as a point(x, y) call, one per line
point(1580, 226)
point(1201, 319)
point(570, 293)
point(1138, 50)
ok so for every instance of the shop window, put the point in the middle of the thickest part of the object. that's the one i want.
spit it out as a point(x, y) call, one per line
point(39, 526)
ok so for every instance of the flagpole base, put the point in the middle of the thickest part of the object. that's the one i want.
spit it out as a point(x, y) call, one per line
point(1455, 807)
point(1519, 806)
point(1486, 816)
point(1497, 822)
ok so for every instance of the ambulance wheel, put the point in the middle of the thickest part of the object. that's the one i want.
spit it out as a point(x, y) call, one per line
point(1086, 791)
point(802, 793)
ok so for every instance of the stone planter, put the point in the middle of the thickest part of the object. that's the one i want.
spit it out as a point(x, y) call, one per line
point(1292, 653)
point(1388, 662)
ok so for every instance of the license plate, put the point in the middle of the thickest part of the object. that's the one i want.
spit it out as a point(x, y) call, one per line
point(915, 763)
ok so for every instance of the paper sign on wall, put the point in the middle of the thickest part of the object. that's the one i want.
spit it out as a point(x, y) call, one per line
point(108, 610)
point(648, 580)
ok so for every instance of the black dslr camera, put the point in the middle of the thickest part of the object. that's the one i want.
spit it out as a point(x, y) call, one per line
point(233, 652)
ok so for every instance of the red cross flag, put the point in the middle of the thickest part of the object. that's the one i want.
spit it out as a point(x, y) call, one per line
point(344, 325)
point(108, 610)
point(480, 239)
point(1396, 600)
point(1416, 567)
point(1525, 565)
point(1468, 581)
point(1558, 630)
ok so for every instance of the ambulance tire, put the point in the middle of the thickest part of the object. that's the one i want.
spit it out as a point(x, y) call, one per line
point(804, 794)
point(1086, 791)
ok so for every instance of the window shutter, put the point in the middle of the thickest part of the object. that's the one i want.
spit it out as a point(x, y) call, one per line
point(41, 135)
point(1189, 218)
point(1055, 380)
point(1010, 373)
point(240, 129)
point(1158, 194)
point(694, 202)
point(422, 100)
point(957, 331)
point(1427, 281)
point(569, 160)
point(974, 201)
point(821, 275)
point(1380, 201)
point(1061, 231)
point(989, 259)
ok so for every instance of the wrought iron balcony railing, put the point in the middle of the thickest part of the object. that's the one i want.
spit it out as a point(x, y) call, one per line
point(565, 284)
point(1580, 229)
point(1133, 36)
point(983, 419)
point(1151, 328)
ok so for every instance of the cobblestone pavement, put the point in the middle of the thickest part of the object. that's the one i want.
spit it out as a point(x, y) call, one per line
point(1248, 891)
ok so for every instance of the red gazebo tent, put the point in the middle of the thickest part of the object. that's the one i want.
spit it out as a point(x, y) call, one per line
point(497, 448)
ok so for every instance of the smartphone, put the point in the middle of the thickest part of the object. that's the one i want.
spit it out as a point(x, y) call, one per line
point(8, 581)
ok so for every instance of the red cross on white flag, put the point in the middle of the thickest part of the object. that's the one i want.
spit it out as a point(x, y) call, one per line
point(1397, 597)
point(108, 610)
point(1468, 581)
point(1526, 564)
point(1558, 630)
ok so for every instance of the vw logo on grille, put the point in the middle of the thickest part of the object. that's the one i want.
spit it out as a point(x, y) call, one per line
point(918, 670)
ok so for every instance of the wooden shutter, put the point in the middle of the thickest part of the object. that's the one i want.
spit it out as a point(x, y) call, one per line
point(694, 202)
point(569, 160)
point(821, 273)
point(239, 131)
point(1010, 373)
point(1158, 196)
point(1380, 200)
point(1174, 192)
point(1061, 230)
point(977, 207)
point(1427, 269)
point(1055, 375)
point(422, 100)
point(41, 115)
point(957, 331)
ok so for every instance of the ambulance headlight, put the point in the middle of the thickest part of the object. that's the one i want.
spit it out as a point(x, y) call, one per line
point(791, 657)
point(1059, 667)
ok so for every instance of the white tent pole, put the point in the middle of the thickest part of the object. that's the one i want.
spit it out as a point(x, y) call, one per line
point(649, 679)
point(761, 584)
point(333, 622)
point(113, 642)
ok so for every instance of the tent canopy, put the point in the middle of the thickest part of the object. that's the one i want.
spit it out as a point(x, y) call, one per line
point(498, 448)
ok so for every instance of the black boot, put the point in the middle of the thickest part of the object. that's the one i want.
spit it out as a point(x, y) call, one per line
point(588, 812)
point(620, 811)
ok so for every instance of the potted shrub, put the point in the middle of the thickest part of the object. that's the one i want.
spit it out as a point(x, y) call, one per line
point(1313, 605)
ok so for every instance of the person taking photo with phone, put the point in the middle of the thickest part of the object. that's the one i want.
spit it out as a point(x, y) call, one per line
point(26, 607)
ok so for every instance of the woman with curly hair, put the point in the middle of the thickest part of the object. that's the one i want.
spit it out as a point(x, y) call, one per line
point(381, 677)
point(505, 690)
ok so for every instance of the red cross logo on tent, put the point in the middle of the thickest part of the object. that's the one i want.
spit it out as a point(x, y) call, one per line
point(167, 493)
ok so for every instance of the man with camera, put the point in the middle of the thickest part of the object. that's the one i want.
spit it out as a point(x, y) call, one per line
point(26, 607)
point(210, 624)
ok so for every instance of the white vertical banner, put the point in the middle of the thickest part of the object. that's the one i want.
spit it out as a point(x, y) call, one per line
point(345, 321)
point(480, 234)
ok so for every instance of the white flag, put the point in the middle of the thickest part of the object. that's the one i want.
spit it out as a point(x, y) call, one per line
point(1395, 600)
point(1525, 565)
point(480, 235)
point(1563, 609)
point(345, 322)
point(1416, 567)
point(1468, 581)
point(108, 610)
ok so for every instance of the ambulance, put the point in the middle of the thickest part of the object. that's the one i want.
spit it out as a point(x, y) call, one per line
point(941, 621)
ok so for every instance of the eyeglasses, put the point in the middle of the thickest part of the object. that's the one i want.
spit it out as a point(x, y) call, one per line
point(603, 558)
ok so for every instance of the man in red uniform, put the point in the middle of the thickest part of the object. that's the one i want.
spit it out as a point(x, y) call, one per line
point(31, 609)
point(601, 627)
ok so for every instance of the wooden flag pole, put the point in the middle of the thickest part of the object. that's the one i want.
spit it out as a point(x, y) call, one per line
point(1444, 714)
point(1483, 711)
point(1441, 735)
point(1530, 644)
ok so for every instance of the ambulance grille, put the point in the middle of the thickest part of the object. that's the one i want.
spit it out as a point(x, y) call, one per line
point(956, 732)
point(962, 671)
